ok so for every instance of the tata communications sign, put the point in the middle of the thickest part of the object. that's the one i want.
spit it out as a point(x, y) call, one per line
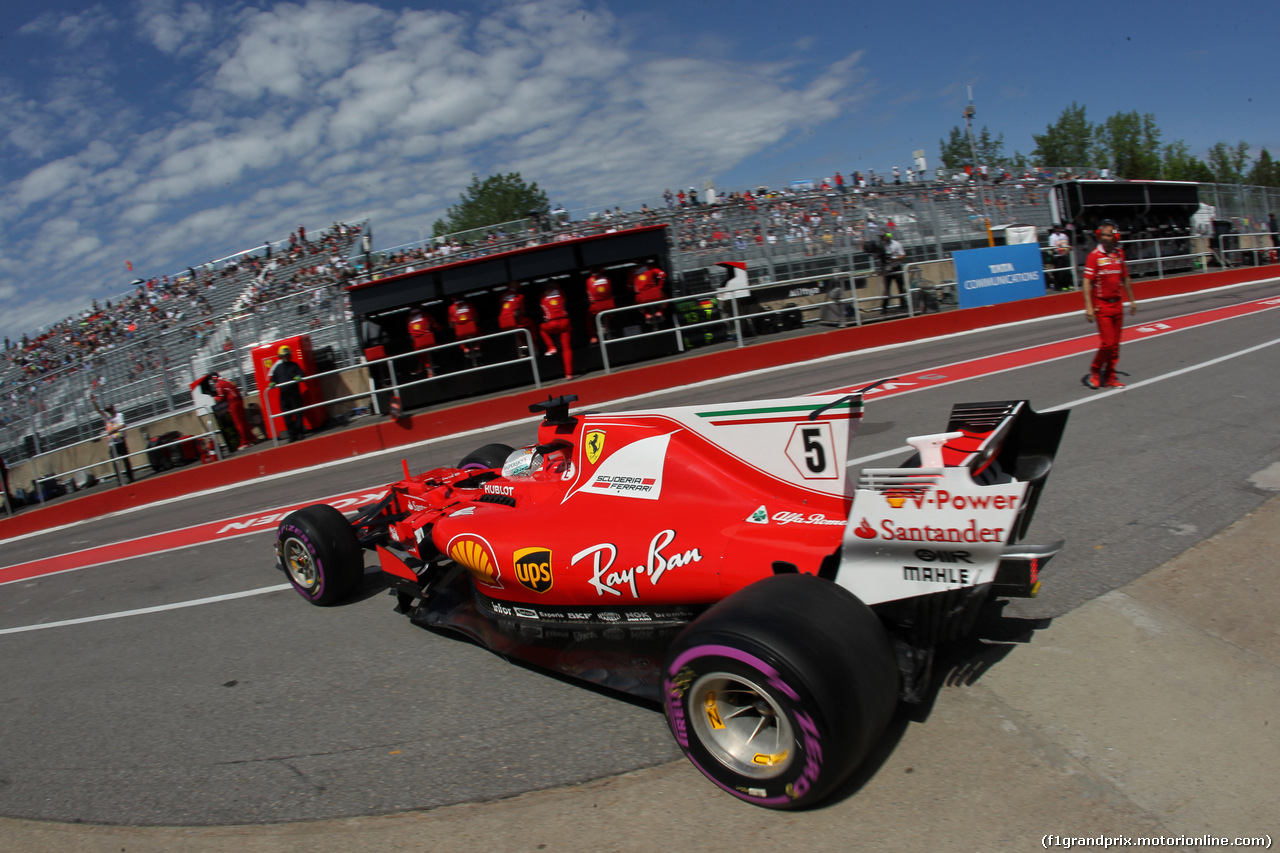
point(999, 274)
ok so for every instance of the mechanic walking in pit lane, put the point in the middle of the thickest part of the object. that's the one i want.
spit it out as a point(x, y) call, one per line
point(1106, 283)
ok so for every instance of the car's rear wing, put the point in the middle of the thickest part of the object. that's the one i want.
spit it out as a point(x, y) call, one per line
point(952, 517)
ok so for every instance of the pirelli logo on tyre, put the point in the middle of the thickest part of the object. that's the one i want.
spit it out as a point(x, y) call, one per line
point(532, 567)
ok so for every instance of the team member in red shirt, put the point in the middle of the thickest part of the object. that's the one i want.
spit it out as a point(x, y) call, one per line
point(225, 391)
point(423, 329)
point(646, 283)
point(599, 298)
point(465, 324)
point(1106, 278)
point(512, 315)
point(555, 321)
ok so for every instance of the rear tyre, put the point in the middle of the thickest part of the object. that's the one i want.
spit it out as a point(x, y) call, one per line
point(320, 554)
point(484, 458)
point(777, 693)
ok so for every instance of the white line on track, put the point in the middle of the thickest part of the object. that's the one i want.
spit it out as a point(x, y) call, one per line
point(160, 608)
point(1092, 398)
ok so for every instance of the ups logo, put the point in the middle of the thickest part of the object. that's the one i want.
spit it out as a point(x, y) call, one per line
point(533, 568)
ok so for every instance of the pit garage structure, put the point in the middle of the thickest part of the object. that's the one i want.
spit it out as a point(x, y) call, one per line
point(380, 310)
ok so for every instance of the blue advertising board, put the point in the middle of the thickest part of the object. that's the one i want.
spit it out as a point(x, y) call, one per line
point(998, 274)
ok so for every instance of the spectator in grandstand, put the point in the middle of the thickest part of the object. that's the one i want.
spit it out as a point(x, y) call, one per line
point(113, 423)
point(555, 322)
point(1060, 249)
point(1106, 283)
point(465, 324)
point(599, 298)
point(423, 329)
point(287, 376)
point(512, 314)
point(647, 282)
point(891, 256)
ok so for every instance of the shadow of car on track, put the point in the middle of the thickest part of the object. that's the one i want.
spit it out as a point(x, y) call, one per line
point(958, 664)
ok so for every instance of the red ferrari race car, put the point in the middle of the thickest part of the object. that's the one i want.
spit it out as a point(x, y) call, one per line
point(718, 559)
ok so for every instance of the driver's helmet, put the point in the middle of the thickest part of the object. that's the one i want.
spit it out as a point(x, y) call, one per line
point(521, 464)
point(524, 463)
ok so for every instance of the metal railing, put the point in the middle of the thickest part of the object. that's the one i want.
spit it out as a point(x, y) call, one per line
point(1160, 255)
point(1257, 254)
point(396, 387)
point(837, 309)
point(114, 460)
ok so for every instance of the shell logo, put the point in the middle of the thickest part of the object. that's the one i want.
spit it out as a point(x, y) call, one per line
point(895, 501)
point(476, 555)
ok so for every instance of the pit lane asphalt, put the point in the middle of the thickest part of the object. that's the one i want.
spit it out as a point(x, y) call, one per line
point(264, 709)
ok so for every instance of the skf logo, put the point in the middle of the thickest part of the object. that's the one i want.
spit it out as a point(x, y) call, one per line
point(595, 445)
point(533, 568)
point(473, 553)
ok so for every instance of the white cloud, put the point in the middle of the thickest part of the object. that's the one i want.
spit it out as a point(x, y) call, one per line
point(314, 111)
point(173, 29)
point(74, 29)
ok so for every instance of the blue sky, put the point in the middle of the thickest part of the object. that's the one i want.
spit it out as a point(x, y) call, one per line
point(172, 132)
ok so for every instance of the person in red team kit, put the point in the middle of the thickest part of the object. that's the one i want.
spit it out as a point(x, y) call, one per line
point(225, 391)
point(423, 329)
point(465, 325)
point(512, 314)
point(599, 298)
point(555, 321)
point(647, 281)
point(1106, 283)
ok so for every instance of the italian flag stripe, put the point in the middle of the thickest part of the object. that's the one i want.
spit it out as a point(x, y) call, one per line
point(773, 410)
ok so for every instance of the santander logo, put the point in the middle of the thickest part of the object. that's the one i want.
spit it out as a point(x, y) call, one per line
point(864, 530)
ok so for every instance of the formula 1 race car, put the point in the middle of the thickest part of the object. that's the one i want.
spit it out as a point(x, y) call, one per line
point(718, 559)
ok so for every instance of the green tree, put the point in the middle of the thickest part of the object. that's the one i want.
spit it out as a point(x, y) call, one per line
point(955, 150)
point(496, 199)
point(1180, 165)
point(1266, 171)
point(1129, 144)
point(1228, 162)
point(1065, 142)
point(957, 153)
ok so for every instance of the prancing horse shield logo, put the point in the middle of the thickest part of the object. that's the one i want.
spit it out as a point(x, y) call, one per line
point(595, 445)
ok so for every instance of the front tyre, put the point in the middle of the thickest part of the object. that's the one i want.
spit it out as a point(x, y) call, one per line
point(320, 554)
point(778, 692)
